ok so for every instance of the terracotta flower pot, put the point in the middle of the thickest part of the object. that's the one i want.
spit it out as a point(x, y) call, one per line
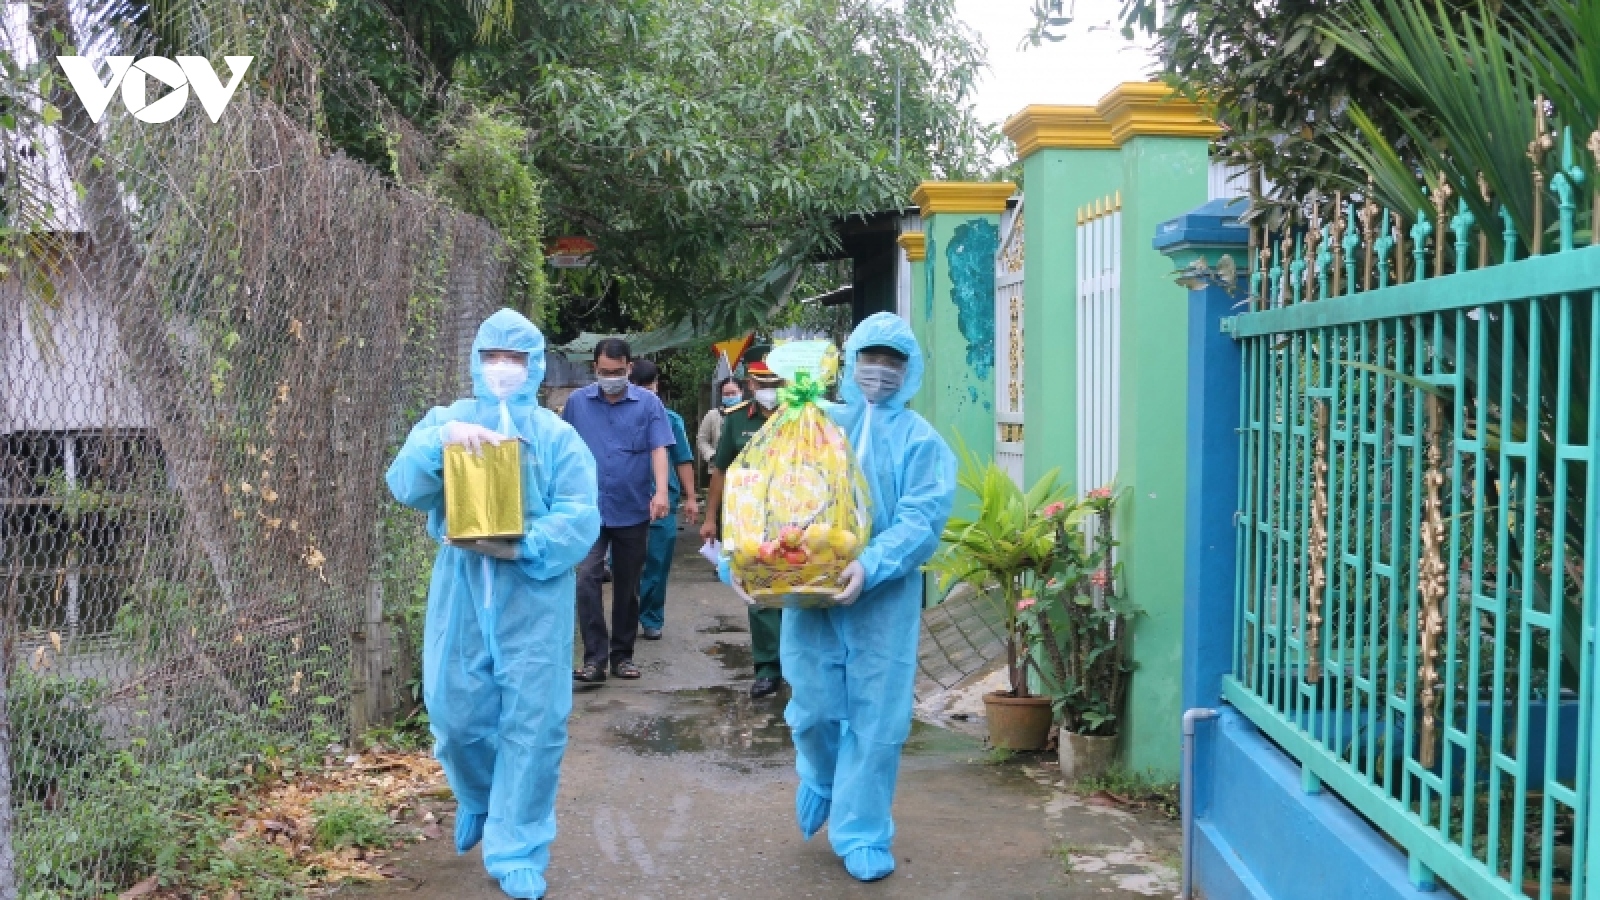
point(1017, 723)
point(1086, 755)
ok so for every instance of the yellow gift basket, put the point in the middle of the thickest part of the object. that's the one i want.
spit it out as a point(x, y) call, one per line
point(796, 511)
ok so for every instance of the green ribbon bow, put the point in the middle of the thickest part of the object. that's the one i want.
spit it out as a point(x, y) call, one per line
point(803, 390)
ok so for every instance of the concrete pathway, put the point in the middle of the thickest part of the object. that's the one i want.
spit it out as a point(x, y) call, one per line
point(679, 785)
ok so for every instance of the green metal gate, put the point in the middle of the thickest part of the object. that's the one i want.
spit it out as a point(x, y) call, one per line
point(1417, 533)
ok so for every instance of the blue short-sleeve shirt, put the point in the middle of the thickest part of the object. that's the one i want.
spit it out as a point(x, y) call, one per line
point(621, 436)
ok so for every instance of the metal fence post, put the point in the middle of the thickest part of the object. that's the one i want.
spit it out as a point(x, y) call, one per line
point(358, 681)
point(8, 860)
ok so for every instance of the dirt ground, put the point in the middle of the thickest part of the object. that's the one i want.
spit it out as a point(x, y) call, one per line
point(678, 785)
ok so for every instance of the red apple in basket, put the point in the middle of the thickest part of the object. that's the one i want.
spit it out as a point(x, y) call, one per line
point(795, 556)
point(791, 537)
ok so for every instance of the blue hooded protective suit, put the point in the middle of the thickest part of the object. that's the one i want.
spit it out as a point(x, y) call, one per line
point(497, 647)
point(852, 668)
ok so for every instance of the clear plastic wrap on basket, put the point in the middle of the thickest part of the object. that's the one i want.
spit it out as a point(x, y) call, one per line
point(795, 509)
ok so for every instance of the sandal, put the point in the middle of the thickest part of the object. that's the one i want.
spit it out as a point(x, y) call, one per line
point(589, 675)
point(625, 669)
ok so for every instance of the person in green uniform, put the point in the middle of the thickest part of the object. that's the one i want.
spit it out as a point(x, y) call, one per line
point(740, 425)
point(663, 538)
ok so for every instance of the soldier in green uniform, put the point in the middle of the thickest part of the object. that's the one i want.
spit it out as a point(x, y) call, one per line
point(740, 425)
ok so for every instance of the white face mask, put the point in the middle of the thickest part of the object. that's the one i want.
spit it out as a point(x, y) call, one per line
point(767, 397)
point(504, 378)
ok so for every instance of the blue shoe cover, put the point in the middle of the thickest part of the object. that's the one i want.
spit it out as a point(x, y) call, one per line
point(469, 830)
point(525, 884)
point(868, 863)
point(811, 811)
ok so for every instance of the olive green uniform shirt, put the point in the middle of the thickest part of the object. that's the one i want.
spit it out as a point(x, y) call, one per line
point(738, 427)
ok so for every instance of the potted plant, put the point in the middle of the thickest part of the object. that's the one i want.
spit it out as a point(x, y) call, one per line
point(1007, 551)
point(1076, 640)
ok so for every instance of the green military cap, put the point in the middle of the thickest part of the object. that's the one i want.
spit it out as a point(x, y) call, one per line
point(755, 353)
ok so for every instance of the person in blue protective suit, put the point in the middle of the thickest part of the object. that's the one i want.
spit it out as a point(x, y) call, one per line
point(497, 646)
point(852, 666)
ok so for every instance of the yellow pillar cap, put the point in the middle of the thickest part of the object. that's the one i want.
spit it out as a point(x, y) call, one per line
point(1151, 109)
point(1058, 127)
point(915, 244)
point(935, 197)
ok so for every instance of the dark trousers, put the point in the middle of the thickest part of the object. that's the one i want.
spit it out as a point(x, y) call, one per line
point(766, 625)
point(627, 548)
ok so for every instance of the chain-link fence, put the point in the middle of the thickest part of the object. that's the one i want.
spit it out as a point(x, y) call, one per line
point(214, 335)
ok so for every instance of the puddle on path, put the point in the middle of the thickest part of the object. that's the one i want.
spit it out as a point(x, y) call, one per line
point(728, 625)
point(720, 722)
point(738, 657)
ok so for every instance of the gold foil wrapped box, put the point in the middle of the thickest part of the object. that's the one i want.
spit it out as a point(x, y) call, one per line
point(483, 492)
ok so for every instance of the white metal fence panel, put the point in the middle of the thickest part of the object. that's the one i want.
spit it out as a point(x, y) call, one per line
point(1008, 345)
point(1099, 317)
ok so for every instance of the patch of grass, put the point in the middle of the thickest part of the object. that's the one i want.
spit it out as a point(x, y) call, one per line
point(350, 820)
point(1065, 852)
point(998, 756)
point(253, 871)
point(1133, 790)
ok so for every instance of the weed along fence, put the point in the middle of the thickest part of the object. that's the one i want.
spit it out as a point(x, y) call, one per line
point(1413, 590)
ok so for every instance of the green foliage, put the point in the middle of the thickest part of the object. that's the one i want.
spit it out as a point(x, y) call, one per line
point(1077, 627)
point(54, 729)
point(114, 819)
point(705, 145)
point(485, 172)
point(349, 820)
point(1006, 552)
point(1137, 790)
point(1285, 86)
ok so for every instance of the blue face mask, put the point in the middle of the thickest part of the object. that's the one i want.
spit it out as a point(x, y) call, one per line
point(731, 401)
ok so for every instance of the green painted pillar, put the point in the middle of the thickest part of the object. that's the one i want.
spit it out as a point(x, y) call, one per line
point(1164, 148)
point(915, 244)
point(1068, 161)
point(961, 228)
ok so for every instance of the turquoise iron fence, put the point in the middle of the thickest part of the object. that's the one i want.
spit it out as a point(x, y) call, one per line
point(1418, 531)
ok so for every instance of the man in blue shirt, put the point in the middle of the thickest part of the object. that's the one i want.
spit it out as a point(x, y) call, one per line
point(628, 432)
point(664, 532)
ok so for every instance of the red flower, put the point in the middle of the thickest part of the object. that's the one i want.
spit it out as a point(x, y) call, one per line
point(1100, 493)
point(1053, 510)
point(1025, 603)
point(1100, 578)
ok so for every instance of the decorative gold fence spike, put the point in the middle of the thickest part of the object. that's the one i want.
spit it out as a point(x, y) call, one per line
point(1542, 143)
point(1441, 207)
point(1432, 583)
point(1317, 546)
point(1369, 234)
point(1313, 240)
point(1398, 229)
point(1266, 267)
point(1483, 227)
point(1338, 243)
